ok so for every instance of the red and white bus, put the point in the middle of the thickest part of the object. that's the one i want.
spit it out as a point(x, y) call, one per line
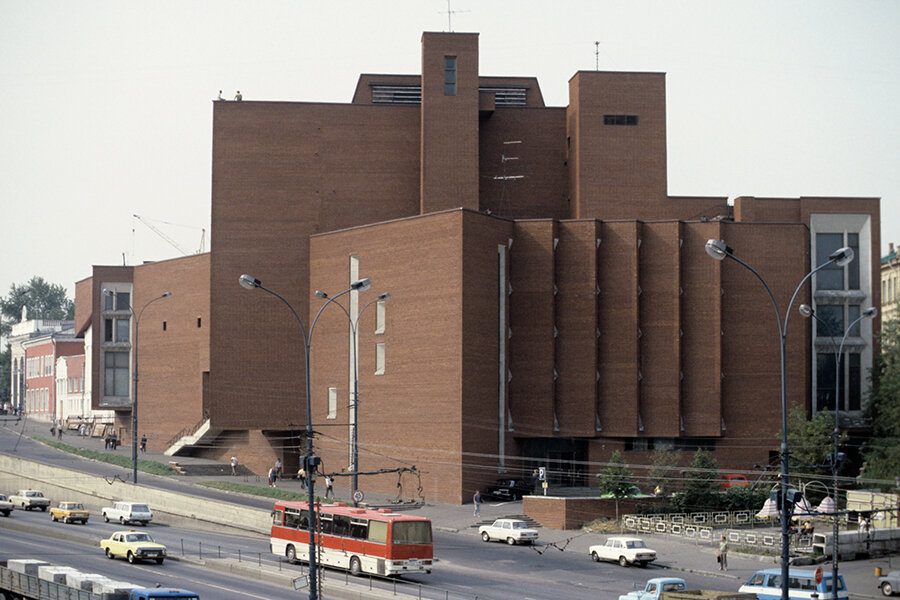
point(380, 541)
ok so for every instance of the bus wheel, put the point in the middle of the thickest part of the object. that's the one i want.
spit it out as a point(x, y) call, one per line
point(355, 567)
point(291, 554)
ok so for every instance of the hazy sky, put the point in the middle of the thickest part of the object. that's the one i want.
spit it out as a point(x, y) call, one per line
point(105, 106)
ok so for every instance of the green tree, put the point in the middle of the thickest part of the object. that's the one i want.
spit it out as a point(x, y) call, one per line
point(701, 484)
point(882, 454)
point(44, 301)
point(664, 471)
point(811, 441)
point(617, 479)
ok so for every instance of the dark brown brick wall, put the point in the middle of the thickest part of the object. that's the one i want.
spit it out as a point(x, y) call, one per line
point(172, 361)
point(660, 327)
point(449, 134)
point(619, 349)
point(575, 399)
point(618, 171)
point(532, 346)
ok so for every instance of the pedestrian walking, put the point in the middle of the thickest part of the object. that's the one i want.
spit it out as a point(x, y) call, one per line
point(106, 442)
point(272, 477)
point(113, 440)
point(234, 465)
point(301, 475)
point(82, 429)
point(722, 556)
point(278, 467)
point(53, 429)
point(143, 443)
point(476, 499)
point(59, 432)
point(329, 486)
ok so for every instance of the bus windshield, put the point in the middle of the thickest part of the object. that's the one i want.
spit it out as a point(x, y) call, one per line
point(411, 532)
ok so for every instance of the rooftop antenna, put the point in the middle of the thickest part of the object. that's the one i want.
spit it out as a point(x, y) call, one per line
point(450, 14)
point(504, 208)
point(597, 56)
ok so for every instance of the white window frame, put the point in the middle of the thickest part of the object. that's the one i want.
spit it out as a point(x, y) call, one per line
point(379, 358)
point(332, 403)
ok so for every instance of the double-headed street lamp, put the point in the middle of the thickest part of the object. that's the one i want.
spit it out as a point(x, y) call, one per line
point(134, 397)
point(354, 417)
point(808, 312)
point(310, 463)
point(718, 250)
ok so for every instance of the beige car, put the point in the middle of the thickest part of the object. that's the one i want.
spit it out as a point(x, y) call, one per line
point(69, 512)
point(623, 550)
point(133, 546)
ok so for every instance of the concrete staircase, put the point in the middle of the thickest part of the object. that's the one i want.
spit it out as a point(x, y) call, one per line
point(203, 433)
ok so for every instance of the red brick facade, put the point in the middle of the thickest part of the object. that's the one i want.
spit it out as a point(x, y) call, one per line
point(550, 302)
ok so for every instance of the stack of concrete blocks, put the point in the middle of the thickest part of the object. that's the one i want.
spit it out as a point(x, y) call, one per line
point(850, 543)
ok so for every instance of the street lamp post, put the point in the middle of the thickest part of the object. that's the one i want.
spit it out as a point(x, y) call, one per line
point(134, 396)
point(362, 285)
point(718, 250)
point(808, 312)
point(354, 442)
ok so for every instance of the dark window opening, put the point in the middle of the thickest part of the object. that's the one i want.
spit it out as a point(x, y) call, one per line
point(164, 325)
point(620, 119)
point(198, 322)
point(449, 75)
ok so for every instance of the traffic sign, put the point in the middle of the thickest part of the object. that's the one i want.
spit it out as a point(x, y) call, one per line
point(358, 496)
point(819, 575)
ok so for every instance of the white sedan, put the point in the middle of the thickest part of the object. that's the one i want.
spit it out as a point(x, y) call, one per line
point(514, 531)
point(623, 550)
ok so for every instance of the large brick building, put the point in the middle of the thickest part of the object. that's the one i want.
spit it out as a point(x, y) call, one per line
point(550, 302)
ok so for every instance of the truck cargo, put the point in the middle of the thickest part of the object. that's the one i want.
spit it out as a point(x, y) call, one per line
point(34, 579)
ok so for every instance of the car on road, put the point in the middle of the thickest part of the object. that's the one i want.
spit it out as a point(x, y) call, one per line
point(5, 505)
point(69, 512)
point(655, 587)
point(510, 489)
point(889, 584)
point(133, 546)
point(127, 512)
point(512, 531)
point(623, 550)
point(30, 500)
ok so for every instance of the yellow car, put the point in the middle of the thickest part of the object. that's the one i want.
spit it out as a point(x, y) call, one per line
point(69, 512)
point(133, 546)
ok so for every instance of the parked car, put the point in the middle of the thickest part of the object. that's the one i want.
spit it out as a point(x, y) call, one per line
point(30, 500)
point(69, 512)
point(510, 489)
point(133, 546)
point(5, 505)
point(513, 531)
point(655, 587)
point(732, 480)
point(127, 512)
point(623, 550)
point(889, 584)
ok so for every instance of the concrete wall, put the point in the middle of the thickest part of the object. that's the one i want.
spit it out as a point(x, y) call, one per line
point(96, 492)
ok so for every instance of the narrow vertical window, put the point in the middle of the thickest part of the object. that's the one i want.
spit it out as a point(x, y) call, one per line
point(379, 358)
point(107, 330)
point(853, 267)
point(379, 316)
point(332, 403)
point(449, 75)
point(854, 382)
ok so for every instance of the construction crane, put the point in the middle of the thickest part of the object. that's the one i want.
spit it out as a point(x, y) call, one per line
point(173, 243)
